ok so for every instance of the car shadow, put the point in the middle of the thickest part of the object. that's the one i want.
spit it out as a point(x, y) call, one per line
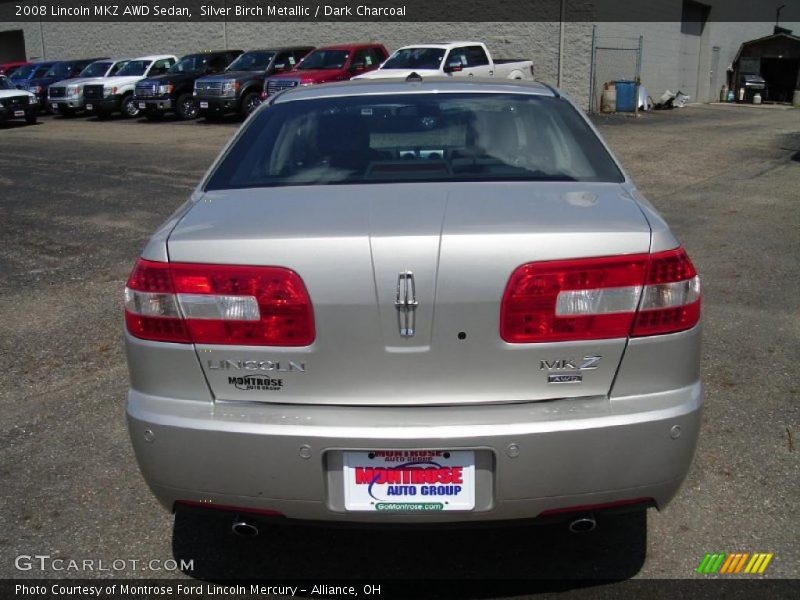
point(471, 562)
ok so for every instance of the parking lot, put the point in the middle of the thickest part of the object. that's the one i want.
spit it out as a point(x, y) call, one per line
point(78, 199)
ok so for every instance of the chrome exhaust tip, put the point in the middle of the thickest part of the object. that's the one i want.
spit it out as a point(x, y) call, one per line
point(244, 529)
point(583, 524)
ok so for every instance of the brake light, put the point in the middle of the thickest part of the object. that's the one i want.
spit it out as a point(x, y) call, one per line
point(218, 304)
point(597, 298)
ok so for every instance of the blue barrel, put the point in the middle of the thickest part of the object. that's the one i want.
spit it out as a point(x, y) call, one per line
point(626, 96)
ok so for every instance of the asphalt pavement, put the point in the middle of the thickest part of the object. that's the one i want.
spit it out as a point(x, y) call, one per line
point(79, 198)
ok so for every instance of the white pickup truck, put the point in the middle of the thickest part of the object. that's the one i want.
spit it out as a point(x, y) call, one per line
point(465, 59)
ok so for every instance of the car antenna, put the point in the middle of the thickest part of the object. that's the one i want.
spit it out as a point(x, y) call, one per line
point(414, 77)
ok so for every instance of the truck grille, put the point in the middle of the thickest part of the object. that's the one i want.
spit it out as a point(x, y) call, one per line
point(15, 102)
point(208, 88)
point(93, 92)
point(276, 85)
point(57, 92)
point(146, 90)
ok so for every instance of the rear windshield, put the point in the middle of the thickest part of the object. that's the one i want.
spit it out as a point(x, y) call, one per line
point(96, 69)
point(25, 72)
point(325, 59)
point(134, 67)
point(58, 71)
point(251, 61)
point(415, 137)
point(190, 64)
point(415, 58)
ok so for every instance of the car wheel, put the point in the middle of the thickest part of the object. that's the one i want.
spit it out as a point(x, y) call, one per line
point(128, 107)
point(31, 118)
point(249, 103)
point(186, 107)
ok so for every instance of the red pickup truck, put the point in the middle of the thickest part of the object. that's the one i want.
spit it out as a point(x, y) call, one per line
point(331, 63)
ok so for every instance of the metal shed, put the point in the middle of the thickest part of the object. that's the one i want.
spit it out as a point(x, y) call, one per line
point(775, 58)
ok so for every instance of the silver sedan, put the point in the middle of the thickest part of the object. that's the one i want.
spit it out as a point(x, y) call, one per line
point(414, 301)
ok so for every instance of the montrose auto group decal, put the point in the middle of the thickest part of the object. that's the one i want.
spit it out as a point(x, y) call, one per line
point(409, 480)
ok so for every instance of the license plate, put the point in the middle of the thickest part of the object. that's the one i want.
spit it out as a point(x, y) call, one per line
point(142, 105)
point(19, 113)
point(409, 480)
point(89, 107)
point(204, 105)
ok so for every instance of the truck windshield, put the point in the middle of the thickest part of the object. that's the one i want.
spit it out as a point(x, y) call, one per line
point(190, 64)
point(25, 72)
point(415, 137)
point(325, 59)
point(415, 58)
point(251, 61)
point(134, 68)
point(58, 71)
point(97, 69)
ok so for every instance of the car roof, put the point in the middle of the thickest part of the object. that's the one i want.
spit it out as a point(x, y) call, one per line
point(210, 52)
point(281, 48)
point(349, 46)
point(152, 57)
point(428, 85)
point(443, 45)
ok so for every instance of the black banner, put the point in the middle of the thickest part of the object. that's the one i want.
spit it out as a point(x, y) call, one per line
point(385, 11)
point(188, 589)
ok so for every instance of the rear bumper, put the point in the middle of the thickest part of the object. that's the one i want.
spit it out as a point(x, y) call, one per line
point(570, 452)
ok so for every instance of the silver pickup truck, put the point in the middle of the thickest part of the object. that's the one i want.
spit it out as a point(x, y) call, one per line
point(432, 301)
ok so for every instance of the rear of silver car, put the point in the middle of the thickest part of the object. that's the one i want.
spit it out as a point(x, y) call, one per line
point(396, 302)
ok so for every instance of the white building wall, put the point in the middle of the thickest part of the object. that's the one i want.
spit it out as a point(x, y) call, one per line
point(536, 41)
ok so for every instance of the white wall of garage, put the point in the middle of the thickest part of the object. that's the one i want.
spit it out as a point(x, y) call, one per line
point(672, 58)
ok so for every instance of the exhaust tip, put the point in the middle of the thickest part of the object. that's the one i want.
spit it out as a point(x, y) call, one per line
point(583, 524)
point(244, 529)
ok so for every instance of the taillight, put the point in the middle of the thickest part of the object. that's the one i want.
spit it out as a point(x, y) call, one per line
point(597, 298)
point(218, 304)
point(671, 296)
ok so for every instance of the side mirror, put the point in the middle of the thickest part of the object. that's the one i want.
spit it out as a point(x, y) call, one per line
point(453, 66)
point(358, 66)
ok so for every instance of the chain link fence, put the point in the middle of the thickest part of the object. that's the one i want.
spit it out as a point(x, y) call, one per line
point(613, 59)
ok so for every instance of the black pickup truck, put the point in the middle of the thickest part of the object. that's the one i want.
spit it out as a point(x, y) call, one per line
point(173, 91)
point(238, 89)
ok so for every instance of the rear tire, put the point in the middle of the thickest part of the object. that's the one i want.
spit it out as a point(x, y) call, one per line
point(129, 108)
point(186, 108)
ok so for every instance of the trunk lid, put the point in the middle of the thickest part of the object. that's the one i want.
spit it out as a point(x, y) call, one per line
point(350, 245)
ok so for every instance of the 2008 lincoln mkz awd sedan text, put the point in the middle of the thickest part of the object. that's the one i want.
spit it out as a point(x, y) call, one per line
point(416, 302)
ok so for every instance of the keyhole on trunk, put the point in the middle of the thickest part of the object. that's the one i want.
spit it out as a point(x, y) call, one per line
point(462, 335)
